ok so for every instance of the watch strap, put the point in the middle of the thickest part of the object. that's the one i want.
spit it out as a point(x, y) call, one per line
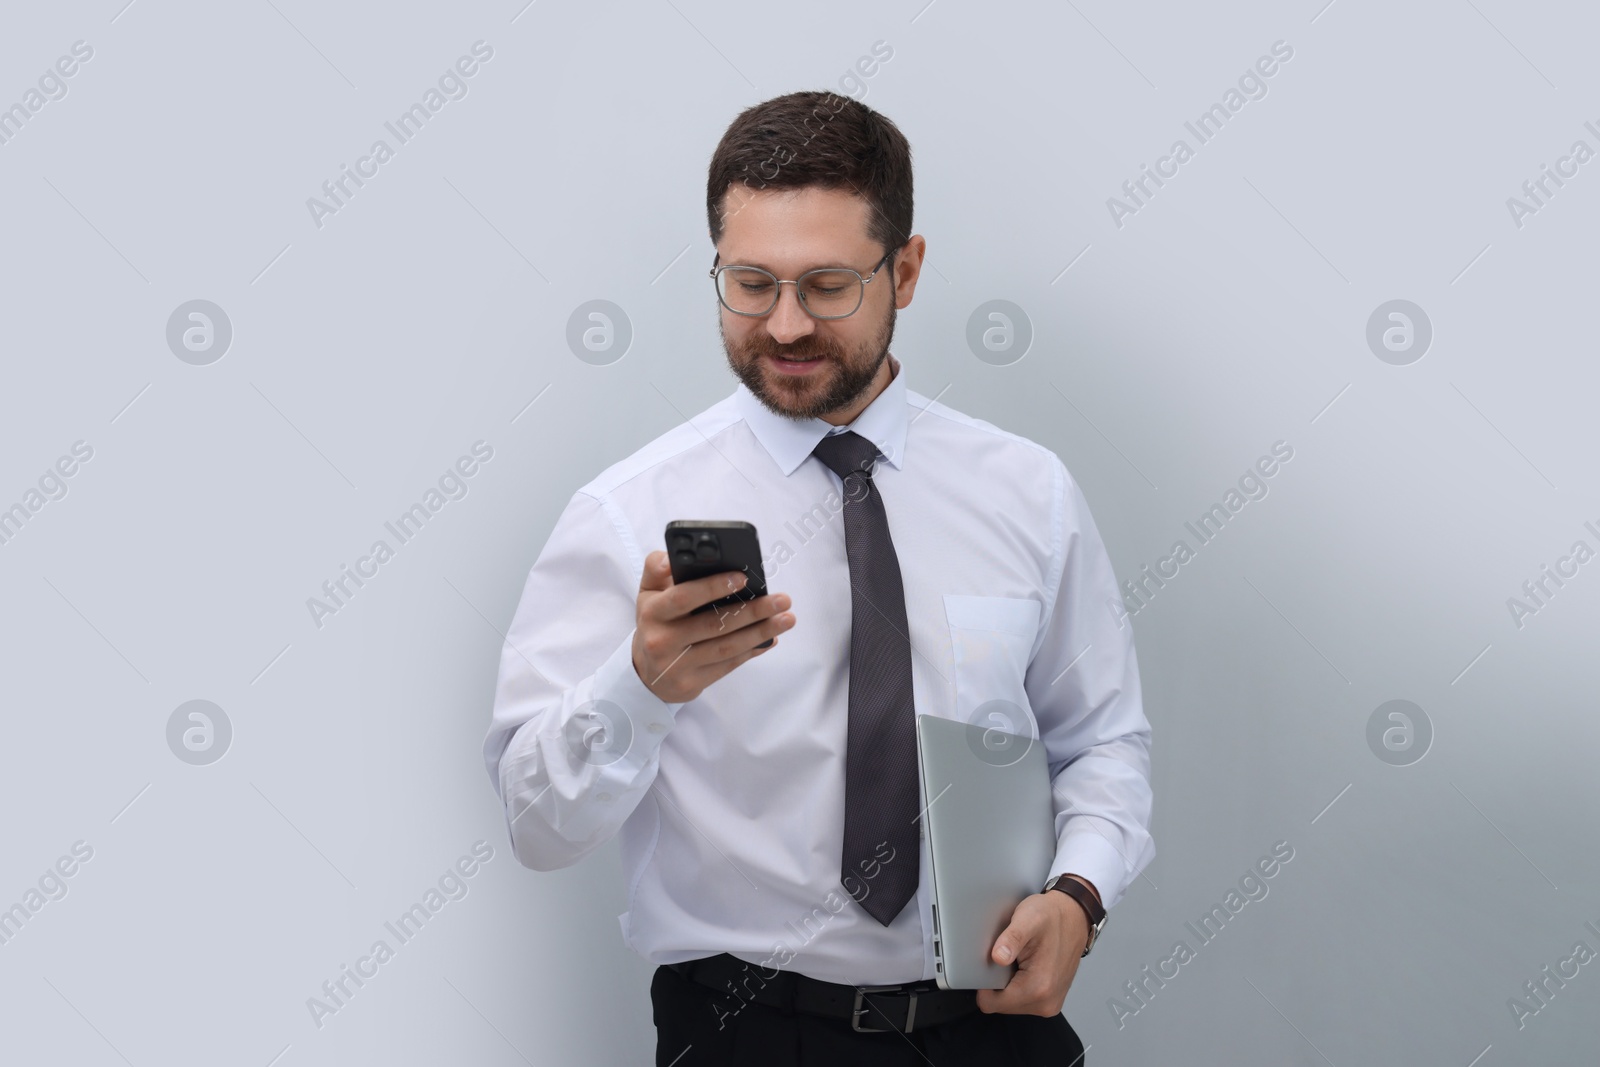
point(1095, 911)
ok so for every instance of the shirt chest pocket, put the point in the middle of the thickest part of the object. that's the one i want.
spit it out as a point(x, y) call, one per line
point(990, 641)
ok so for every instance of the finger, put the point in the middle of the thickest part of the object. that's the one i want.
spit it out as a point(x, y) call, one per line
point(684, 597)
point(718, 650)
point(707, 656)
point(1014, 999)
point(750, 655)
point(716, 671)
point(726, 618)
point(1015, 942)
point(657, 573)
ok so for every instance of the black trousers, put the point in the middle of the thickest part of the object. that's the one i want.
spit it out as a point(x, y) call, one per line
point(698, 1027)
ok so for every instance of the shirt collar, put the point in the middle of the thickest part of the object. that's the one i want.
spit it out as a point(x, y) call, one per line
point(789, 441)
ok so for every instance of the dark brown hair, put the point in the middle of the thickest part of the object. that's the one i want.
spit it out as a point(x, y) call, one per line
point(817, 138)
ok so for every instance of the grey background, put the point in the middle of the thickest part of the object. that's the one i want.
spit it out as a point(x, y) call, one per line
point(369, 354)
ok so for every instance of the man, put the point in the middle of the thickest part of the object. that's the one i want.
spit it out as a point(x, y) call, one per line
point(918, 561)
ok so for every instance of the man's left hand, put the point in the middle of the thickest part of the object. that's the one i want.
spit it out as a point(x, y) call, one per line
point(1046, 938)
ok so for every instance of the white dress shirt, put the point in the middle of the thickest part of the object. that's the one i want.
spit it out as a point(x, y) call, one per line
point(731, 806)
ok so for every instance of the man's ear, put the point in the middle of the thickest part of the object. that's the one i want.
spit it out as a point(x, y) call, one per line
point(907, 269)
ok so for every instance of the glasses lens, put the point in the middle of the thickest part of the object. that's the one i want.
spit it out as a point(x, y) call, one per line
point(747, 290)
point(831, 293)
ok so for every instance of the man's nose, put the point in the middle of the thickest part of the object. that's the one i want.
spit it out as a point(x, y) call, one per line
point(789, 321)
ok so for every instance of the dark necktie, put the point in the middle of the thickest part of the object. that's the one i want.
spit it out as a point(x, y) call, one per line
point(880, 782)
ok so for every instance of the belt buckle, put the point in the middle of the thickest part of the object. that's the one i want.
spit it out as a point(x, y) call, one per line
point(857, 1010)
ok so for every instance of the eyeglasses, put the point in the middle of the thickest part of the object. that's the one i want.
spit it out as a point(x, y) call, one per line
point(825, 293)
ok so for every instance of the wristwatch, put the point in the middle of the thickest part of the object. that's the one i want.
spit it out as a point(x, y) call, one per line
point(1077, 891)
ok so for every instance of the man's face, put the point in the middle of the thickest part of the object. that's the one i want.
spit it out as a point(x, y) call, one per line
point(789, 232)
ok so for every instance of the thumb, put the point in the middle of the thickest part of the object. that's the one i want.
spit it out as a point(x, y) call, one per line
point(1008, 944)
point(657, 573)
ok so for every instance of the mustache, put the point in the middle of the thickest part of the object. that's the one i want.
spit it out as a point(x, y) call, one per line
point(760, 348)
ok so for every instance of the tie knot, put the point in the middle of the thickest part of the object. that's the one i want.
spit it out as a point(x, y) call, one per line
point(845, 453)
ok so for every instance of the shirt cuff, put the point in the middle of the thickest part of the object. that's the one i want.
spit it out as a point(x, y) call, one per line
point(1088, 855)
point(645, 716)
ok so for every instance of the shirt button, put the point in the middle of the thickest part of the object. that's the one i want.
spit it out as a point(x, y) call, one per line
point(655, 727)
point(602, 796)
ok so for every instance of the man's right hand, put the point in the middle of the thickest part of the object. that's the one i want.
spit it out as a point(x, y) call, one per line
point(677, 654)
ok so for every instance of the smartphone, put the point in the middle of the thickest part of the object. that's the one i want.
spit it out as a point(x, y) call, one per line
point(700, 548)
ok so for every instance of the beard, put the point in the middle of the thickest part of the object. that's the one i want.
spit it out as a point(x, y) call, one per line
point(847, 375)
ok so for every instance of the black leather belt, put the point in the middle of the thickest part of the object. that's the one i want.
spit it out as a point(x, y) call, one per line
point(870, 1009)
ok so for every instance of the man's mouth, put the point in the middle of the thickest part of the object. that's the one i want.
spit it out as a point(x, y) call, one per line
point(803, 365)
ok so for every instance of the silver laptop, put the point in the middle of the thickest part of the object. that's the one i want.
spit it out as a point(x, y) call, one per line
point(990, 828)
